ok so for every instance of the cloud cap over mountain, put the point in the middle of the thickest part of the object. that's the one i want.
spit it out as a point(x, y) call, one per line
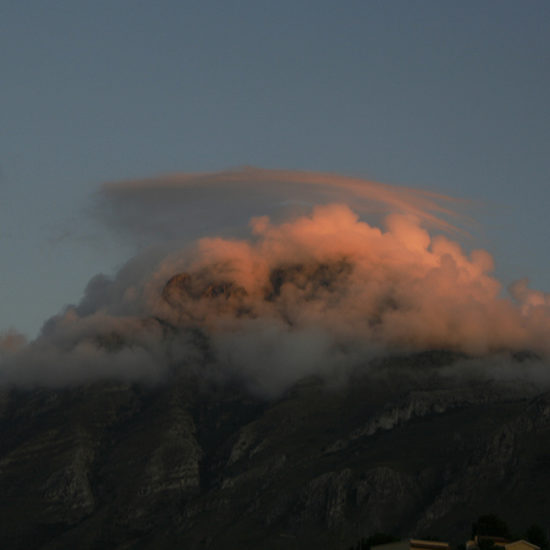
point(312, 289)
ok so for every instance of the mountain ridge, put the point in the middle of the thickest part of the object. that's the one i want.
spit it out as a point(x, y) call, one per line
point(203, 462)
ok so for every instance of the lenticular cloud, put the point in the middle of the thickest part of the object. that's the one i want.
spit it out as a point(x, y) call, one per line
point(319, 290)
point(185, 206)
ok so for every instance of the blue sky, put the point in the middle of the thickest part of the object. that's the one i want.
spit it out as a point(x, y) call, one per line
point(447, 96)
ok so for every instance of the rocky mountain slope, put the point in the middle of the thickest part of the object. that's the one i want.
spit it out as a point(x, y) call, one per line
point(202, 463)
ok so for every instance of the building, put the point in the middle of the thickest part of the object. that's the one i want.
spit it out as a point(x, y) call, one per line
point(499, 542)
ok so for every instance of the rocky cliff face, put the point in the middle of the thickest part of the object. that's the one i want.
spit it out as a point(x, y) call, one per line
point(197, 464)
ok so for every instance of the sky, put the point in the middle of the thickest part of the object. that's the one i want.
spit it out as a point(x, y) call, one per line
point(451, 97)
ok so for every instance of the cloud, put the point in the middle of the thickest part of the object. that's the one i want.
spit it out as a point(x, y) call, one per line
point(319, 292)
point(186, 206)
point(11, 342)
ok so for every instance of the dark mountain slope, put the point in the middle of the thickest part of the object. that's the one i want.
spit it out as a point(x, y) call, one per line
point(197, 464)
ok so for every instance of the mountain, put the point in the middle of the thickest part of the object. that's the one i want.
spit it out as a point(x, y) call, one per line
point(200, 462)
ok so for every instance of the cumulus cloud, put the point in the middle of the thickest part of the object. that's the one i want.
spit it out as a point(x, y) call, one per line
point(319, 292)
point(11, 342)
